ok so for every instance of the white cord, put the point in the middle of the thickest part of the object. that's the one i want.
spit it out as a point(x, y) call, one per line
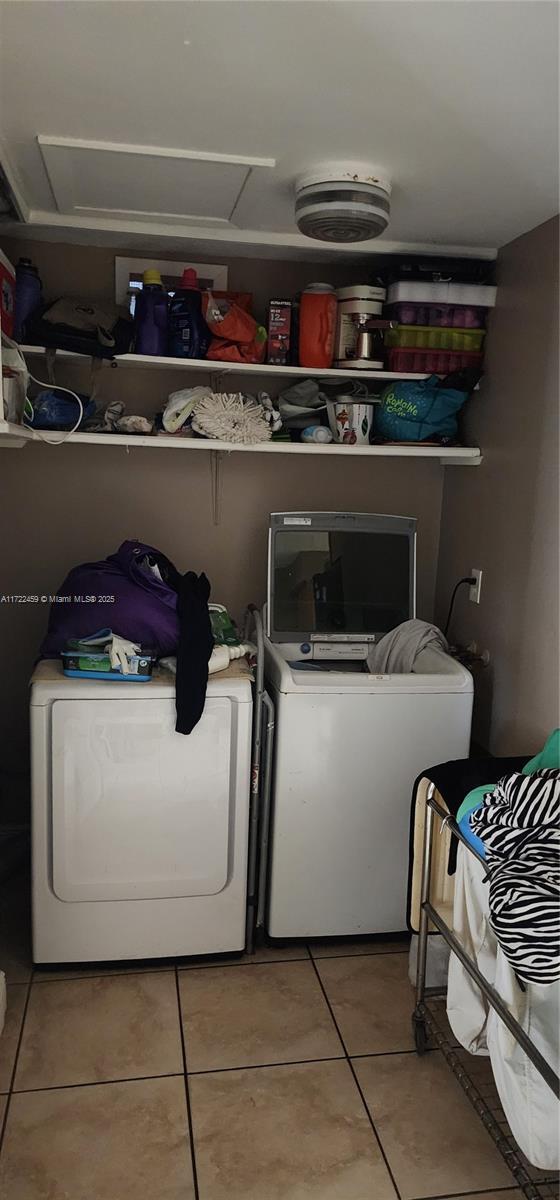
point(55, 388)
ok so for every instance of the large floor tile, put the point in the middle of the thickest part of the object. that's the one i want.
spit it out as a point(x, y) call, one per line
point(434, 1141)
point(372, 1001)
point(15, 929)
point(244, 1016)
point(262, 954)
point(342, 947)
point(120, 1141)
point(285, 1133)
point(88, 1030)
point(15, 1004)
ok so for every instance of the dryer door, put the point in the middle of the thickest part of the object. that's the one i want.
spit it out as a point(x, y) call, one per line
point(139, 811)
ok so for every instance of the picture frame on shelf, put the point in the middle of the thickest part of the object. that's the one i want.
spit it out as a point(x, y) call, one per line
point(129, 272)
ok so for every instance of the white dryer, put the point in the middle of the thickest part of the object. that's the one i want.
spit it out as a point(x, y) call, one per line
point(139, 833)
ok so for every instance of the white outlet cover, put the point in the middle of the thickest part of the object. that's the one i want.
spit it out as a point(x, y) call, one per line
point(475, 588)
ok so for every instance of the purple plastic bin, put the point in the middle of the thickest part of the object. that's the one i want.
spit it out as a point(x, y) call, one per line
point(439, 315)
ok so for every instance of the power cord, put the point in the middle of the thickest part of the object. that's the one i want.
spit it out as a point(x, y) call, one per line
point(467, 579)
point(15, 360)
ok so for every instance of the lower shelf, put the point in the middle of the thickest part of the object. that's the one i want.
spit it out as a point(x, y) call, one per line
point(18, 435)
point(474, 1073)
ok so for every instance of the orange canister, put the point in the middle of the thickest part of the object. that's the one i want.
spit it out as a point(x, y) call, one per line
point(317, 326)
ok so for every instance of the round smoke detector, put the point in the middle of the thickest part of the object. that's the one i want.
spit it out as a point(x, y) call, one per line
point(342, 204)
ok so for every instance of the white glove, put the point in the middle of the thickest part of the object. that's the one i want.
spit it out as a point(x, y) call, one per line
point(120, 651)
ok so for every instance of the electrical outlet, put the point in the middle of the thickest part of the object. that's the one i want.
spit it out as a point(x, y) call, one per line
point(474, 590)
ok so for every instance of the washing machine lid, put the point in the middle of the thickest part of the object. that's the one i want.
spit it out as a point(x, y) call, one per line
point(339, 576)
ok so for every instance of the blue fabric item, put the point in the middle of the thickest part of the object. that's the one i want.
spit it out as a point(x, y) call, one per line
point(54, 411)
point(474, 841)
point(418, 410)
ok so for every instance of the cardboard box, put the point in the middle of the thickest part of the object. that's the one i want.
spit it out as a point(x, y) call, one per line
point(279, 327)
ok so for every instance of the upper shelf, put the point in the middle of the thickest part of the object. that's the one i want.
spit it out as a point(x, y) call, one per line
point(214, 367)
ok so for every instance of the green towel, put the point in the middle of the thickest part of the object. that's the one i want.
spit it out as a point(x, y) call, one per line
point(548, 757)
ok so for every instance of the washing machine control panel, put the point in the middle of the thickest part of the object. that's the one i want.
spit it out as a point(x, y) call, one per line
point(345, 650)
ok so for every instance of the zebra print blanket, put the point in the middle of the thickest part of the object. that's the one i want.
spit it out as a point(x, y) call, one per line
point(519, 823)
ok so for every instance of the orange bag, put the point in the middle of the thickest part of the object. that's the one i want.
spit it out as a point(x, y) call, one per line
point(228, 321)
point(237, 337)
point(247, 352)
point(243, 299)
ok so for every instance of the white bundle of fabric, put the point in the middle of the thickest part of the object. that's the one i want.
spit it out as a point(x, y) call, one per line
point(219, 660)
point(231, 417)
point(180, 406)
point(397, 652)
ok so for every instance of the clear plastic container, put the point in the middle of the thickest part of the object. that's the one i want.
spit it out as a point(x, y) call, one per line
point(428, 337)
point(441, 315)
point(431, 362)
point(480, 295)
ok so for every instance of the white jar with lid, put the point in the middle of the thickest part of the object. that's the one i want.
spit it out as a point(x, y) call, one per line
point(359, 299)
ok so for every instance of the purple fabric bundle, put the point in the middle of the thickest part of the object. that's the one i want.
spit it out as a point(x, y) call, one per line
point(127, 598)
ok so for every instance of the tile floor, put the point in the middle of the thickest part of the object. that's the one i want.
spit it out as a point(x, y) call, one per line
point(287, 1076)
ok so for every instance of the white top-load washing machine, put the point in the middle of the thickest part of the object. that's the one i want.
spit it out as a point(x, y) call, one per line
point(348, 744)
point(139, 833)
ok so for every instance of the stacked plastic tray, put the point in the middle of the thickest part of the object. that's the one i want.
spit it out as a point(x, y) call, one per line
point(442, 316)
point(431, 362)
point(441, 326)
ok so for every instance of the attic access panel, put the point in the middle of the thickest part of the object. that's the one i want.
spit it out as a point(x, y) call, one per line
point(112, 179)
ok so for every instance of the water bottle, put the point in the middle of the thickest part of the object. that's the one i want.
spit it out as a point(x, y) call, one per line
point(151, 316)
point(189, 336)
point(28, 295)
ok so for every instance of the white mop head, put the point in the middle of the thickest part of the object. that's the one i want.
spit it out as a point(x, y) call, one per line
point(231, 417)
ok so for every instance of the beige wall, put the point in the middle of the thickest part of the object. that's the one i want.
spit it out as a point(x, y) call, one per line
point(73, 270)
point(503, 517)
point(76, 503)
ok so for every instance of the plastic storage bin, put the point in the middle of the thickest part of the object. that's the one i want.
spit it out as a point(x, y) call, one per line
point(431, 362)
point(425, 337)
point(440, 315)
point(478, 295)
point(98, 666)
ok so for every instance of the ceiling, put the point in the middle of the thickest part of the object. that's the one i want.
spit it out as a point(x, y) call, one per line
point(457, 102)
